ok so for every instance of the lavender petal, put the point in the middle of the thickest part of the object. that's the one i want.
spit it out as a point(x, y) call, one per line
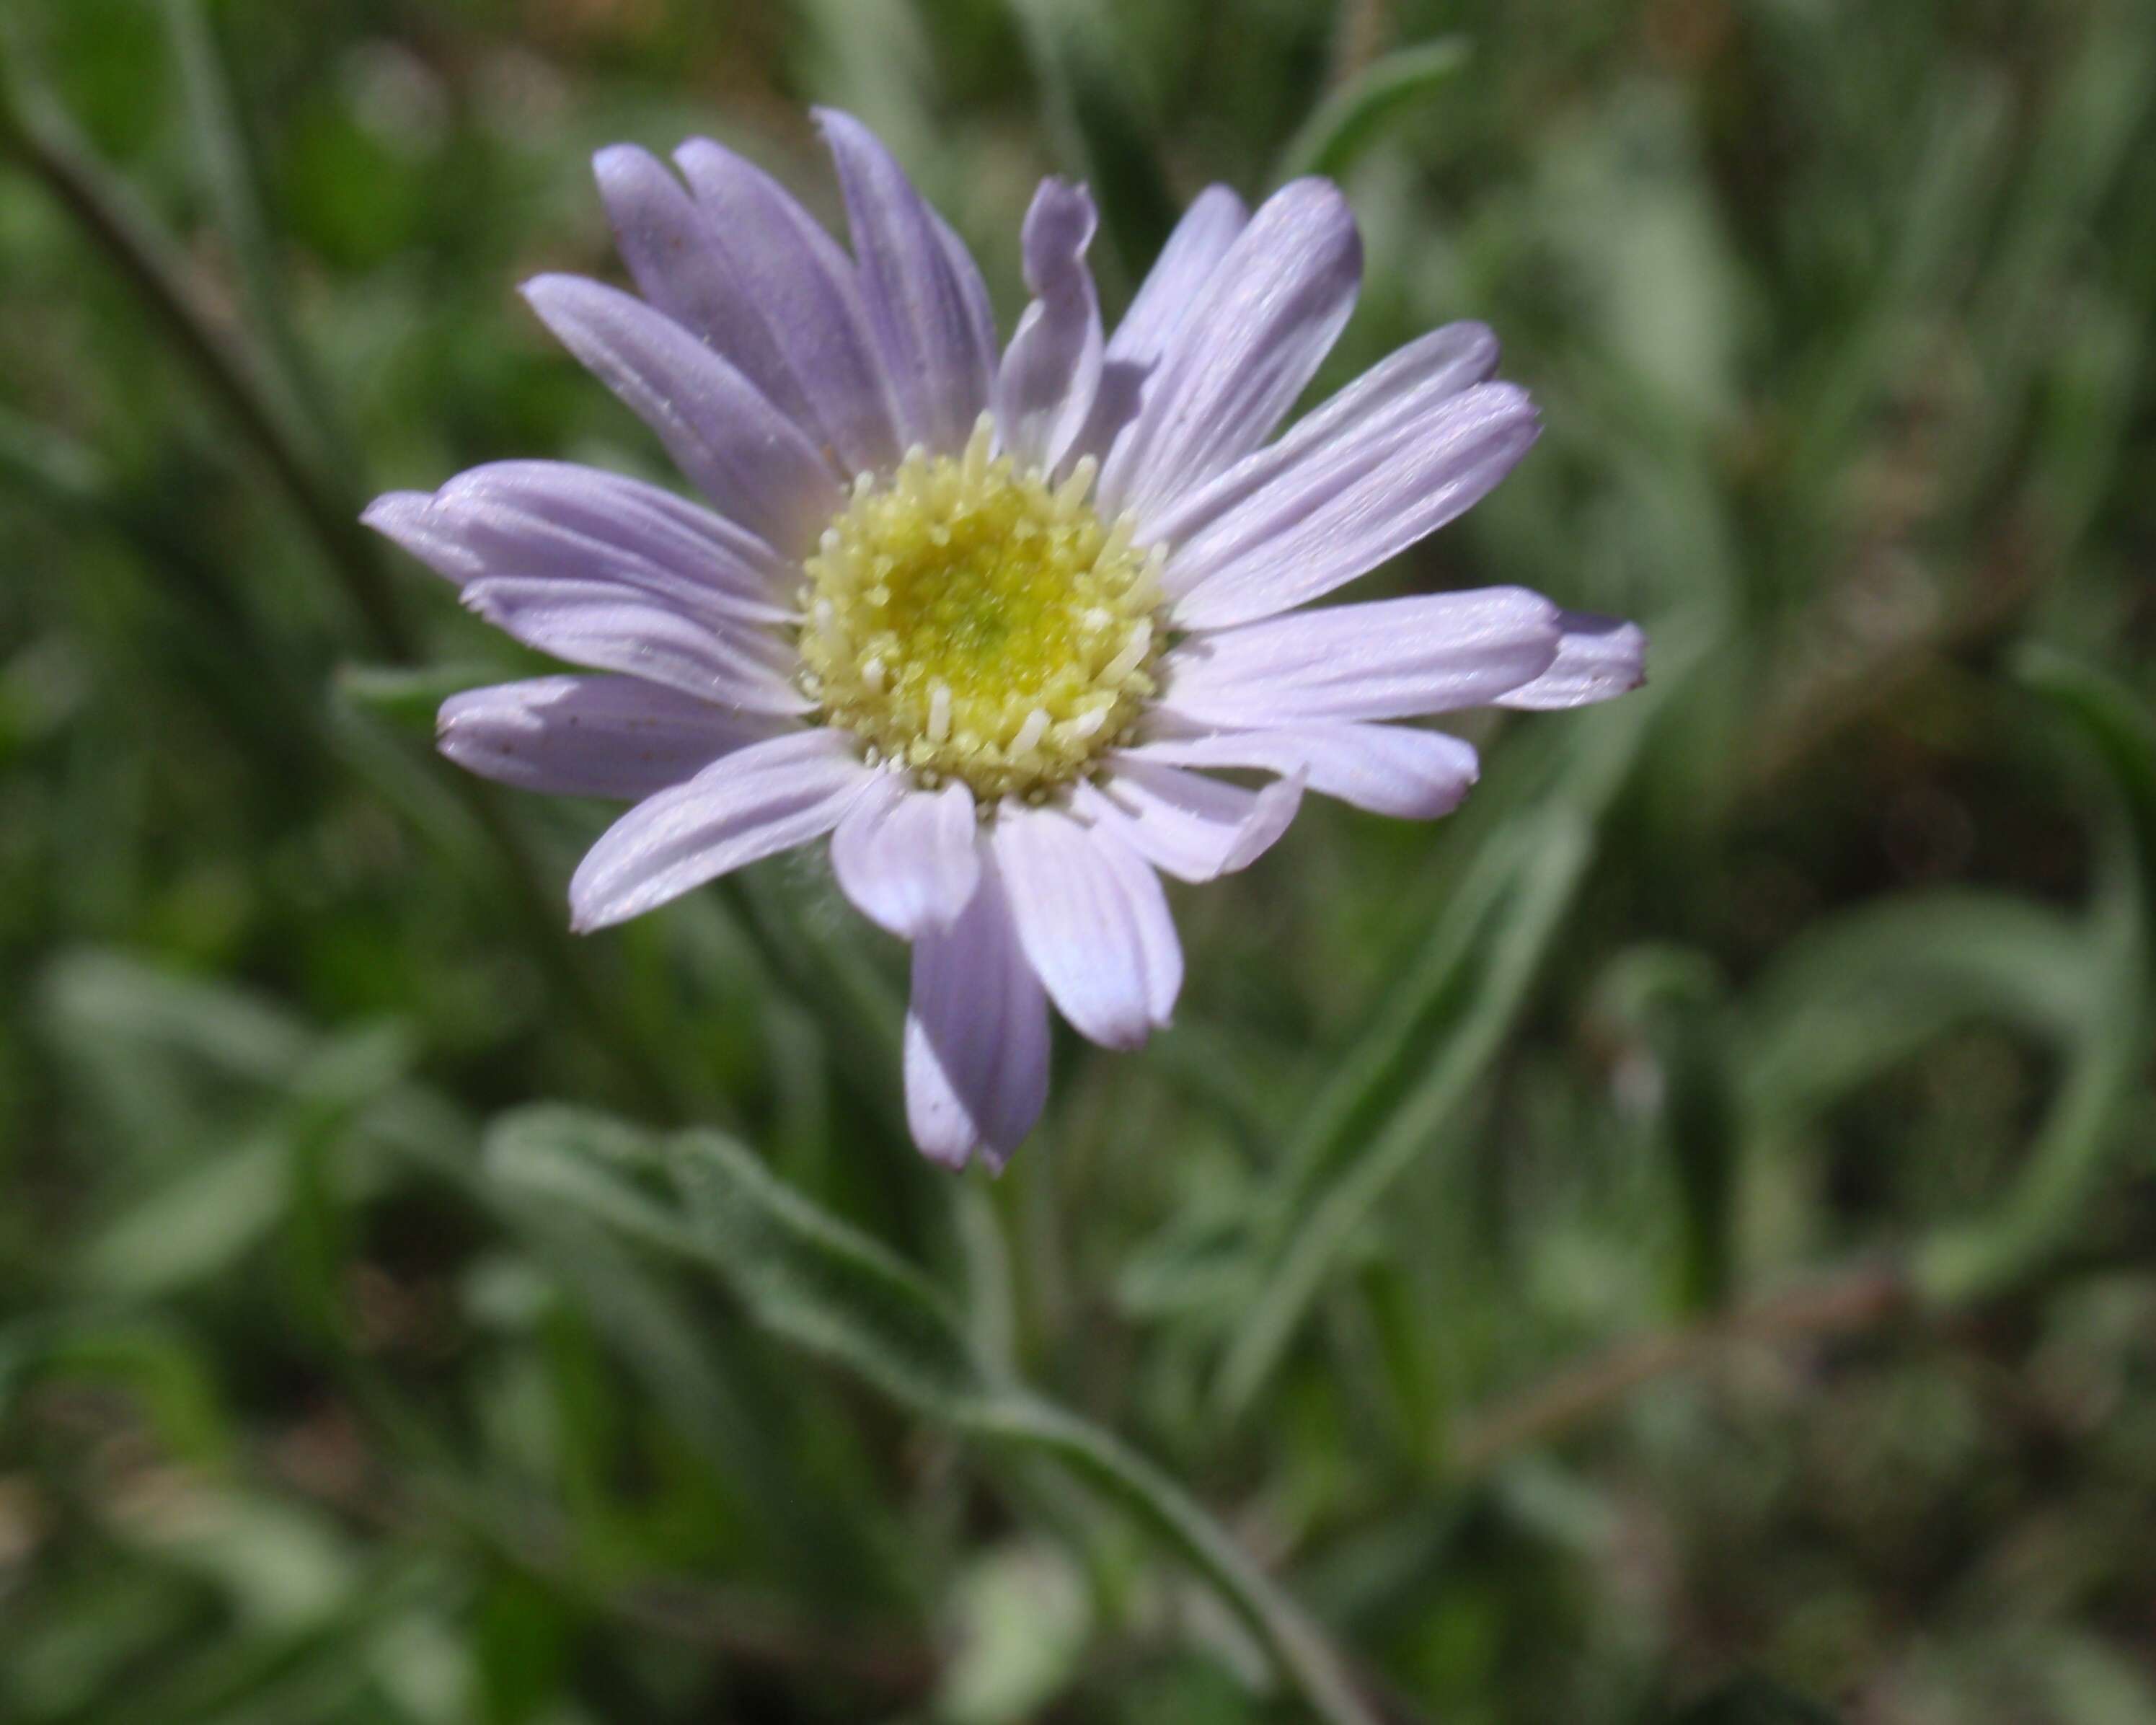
point(1183, 823)
point(800, 282)
point(591, 736)
point(763, 799)
point(1252, 338)
point(1353, 501)
point(748, 458)
point(926, 306)
point(542, 520)
point(908, 859)
point(977, 1042)
point(1598, 658)
point(1397, 770)
point(1390, 658)
point(1045, 389)
point(1093, 922)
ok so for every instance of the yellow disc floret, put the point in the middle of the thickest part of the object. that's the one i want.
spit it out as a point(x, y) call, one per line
point(963, 617)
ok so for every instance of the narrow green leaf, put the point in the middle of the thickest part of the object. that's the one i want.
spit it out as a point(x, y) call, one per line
point(1356, 115)
point(2067, 1164)
point(1480, 966)
point(1089, 103)
point(1673, 999)
point(833, 1291)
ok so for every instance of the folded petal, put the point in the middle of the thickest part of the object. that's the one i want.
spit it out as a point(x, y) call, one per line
point(1093, 922)
point(976, 1041)
point(1391, 659)
point(1044, 391)
point(1252, 338)
point(1598, 658)
point(1353, 502)
point(591, 736)
point(1390, 769)
point(909, 858)
point(800, 282)
point(927, 308)
point(550, 521)
point(755, 803)
point(1183, 823)
point(748, 458)
point(608, 627)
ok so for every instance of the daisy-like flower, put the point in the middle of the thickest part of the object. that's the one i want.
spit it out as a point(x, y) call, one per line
point(987, 618)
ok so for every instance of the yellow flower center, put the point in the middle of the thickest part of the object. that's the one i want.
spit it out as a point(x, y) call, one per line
point(966, 618)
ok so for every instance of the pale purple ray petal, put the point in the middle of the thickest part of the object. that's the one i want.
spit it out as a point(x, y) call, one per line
point(753, 287)
point(1397, 770)
point(612, 628)
point(1179, 275)
point(977, 1042)
point(1093, 922)
point(801, 282)
point(926, 305)
point(591, 736)
point(1391, 659)
point(1598, 658)
point(1171, 288)
point(1252, 339)
point(754, 803)
point(909, 858)
point(544, 520)
point(1353, 502)
point(1403, 386)
point(748, 458)
point(1044, 391)
point(1183, 823)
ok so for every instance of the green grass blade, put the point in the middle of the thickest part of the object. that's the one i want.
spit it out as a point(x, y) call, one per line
point(1355, 117)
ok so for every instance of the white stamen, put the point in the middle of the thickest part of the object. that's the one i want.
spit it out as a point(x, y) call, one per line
point(872, 674)
point(1030, 732)
point(939, 712)
point(1133, 653)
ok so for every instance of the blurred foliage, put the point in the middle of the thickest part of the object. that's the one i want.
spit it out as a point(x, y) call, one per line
point(1676, 1239)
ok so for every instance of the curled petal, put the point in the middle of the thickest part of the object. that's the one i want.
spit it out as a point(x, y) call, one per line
point(1185, 824)
point(976, 1036)
point(1391, 659)
point(927, 308)
point(1598, 658)
point(1252, 339)
point(1397, 770)
point(748, 458)
point(1093, 922)
point(755, 803)
point(551, 520)
point(909, 858)
point(591, 736)
point(1045, 389)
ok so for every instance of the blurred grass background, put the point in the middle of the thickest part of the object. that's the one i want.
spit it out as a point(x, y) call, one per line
point(1690, 1220)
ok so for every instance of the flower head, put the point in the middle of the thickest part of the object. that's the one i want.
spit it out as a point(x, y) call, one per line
point(983, 617)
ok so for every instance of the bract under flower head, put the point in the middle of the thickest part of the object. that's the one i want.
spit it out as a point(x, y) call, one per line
point(967, 619)
point(990, 616)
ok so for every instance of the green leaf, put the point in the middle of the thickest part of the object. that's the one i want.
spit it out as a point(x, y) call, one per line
point(1088, 103)
point(2071, 1157)
point(1674, 1000)
point(1356, 115)
point(1864, 990)
point(828, 1288)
